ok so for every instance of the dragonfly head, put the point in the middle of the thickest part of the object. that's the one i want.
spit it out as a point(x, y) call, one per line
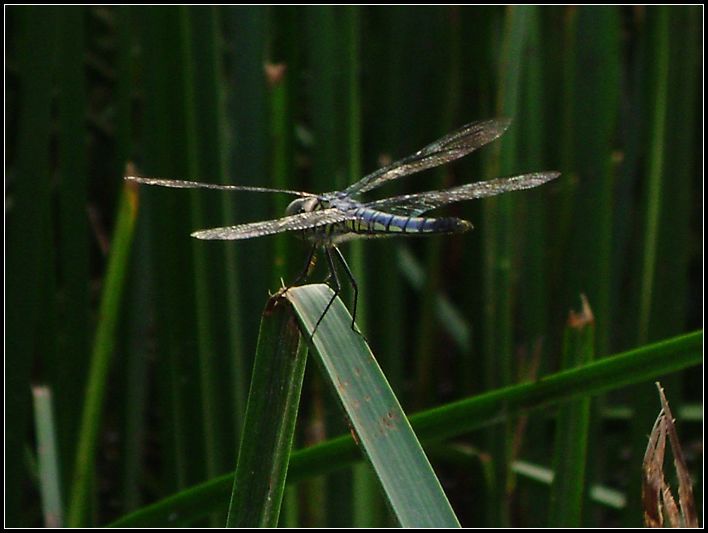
point(302, 205)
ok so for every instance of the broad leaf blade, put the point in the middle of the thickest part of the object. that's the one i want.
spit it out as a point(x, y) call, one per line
point(268, 429)
point(376, 417)
point(434, 425)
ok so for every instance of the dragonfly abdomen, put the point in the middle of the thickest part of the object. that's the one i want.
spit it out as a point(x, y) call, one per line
point(373, 222)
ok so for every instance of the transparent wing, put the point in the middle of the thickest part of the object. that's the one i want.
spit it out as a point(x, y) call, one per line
point(301, 221)
point(453, 146)
point(183, 184)
point(416, 204)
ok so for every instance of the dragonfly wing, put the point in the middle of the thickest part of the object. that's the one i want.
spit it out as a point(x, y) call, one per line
point(416, 204)
point(184, 184)
point(301, 221)
point(453, 146)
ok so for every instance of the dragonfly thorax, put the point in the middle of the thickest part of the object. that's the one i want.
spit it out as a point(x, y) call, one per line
point(302, 205)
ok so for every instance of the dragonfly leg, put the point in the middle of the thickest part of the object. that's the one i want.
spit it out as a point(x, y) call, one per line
point(337, 287)
point(355, 287)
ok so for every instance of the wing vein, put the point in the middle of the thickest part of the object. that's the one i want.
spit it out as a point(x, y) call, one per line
point(449, 148)
point(301, 221)
point(416, 204)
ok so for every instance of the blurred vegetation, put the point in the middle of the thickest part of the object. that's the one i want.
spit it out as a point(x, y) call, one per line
point(145, 338)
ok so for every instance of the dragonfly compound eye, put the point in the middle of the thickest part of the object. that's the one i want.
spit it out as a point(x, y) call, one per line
point(301, 205)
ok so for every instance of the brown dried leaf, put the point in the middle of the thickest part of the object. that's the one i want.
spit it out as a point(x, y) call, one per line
point(685, 490)
point(653, 474)
point(656, 493)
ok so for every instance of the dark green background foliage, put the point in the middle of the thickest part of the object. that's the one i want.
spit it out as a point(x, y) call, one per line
point(311, 99)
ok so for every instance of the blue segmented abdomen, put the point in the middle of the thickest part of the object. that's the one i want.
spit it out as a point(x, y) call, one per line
point(372, 222)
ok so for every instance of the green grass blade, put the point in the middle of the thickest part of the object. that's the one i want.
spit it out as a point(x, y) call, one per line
point(184, 507)
point(48, 457)
point(103, 348)
point(659, 269)
point(655, 172)
point(449, 316)
point(190, 23)
point(270, 421)
point(500, 235)
point(381, 427)
point(681, 178)
point(211, 136)
point(596, 111)
point(573, 421)
point(164, 144)
point(610, 373)
point(248, 164)
point(458, 418)
point(27, 223)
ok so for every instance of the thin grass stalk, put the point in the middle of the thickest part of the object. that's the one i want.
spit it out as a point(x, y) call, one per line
point(658, 52)
point(568, 78)
point(592, 234)
point(655, 173)
point(568, 489)
point(532, 253)
point(48, 457)
point(27, 233)
point(168, 230)
point(212, 121)
point(499, 235)
point(669, 312)
point(103, 348)
point(596, 122)
point(205, 341)
point(449, 316)
point(210, 140)
point(247, 31)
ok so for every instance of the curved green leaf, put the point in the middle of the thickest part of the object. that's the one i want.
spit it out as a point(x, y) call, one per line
point(456, 418)
point(377, 420)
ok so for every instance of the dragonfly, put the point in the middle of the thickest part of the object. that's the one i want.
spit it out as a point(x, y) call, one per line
point(329, 219)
